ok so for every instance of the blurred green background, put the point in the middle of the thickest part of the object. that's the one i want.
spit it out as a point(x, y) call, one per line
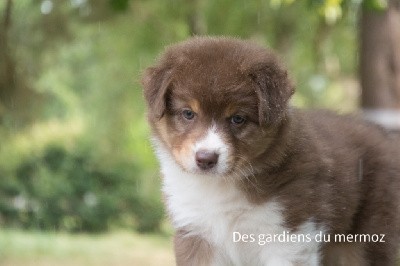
point(75, 156)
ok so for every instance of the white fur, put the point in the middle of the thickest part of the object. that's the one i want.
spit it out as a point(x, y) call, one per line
point(214, 208)
point(212, 142)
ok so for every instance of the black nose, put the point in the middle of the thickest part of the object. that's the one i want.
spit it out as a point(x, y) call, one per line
point(206, 160)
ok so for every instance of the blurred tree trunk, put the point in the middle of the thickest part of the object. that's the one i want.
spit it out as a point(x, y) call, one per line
point(380, 64)
point(7, 65)
point(196, 23)
point(18, 101)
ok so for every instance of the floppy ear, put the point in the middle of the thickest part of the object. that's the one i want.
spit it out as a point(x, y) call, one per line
point(273, 89)
point(155, 82)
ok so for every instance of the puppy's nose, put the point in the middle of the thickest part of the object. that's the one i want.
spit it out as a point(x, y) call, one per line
point(206, 159)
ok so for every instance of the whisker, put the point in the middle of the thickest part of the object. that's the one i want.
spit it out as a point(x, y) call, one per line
point(247, 172)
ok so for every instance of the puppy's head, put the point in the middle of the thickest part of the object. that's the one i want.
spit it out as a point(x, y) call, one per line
point(216, 103)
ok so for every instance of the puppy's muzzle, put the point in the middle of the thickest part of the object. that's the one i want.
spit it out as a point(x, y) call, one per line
point(206, 160)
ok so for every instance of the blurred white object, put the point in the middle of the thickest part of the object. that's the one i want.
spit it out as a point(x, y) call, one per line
point(388, 118)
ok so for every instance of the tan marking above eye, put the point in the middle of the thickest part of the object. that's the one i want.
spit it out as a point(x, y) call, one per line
point(230, 110)
point(194, 105)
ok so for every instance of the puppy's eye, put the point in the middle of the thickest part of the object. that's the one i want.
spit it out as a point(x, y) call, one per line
point(238, 120)
point(188, 114)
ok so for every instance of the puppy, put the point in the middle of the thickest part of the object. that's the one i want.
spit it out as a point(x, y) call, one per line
point(250, 181)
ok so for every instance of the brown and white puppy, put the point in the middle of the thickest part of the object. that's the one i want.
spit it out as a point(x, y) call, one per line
point(236, 161)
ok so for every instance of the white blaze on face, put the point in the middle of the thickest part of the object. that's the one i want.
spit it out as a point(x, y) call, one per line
point(212, 142)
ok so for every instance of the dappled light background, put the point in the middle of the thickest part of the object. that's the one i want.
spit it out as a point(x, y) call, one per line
point(75, 155)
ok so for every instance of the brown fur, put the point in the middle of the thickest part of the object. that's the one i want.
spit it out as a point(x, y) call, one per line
point(191, 250)
point(338, 170)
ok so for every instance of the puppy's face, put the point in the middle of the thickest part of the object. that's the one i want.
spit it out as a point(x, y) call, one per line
point(211, 128)
point(215, 104)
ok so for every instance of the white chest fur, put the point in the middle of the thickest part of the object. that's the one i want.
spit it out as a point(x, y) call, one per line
point(214, 209)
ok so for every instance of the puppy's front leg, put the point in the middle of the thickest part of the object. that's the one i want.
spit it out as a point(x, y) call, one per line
point(192, 250)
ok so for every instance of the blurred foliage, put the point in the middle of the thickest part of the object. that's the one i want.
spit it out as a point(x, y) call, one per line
point(54, 187)
point(75, 153)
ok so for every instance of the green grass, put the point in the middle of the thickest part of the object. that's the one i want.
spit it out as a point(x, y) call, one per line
point(27, 248)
